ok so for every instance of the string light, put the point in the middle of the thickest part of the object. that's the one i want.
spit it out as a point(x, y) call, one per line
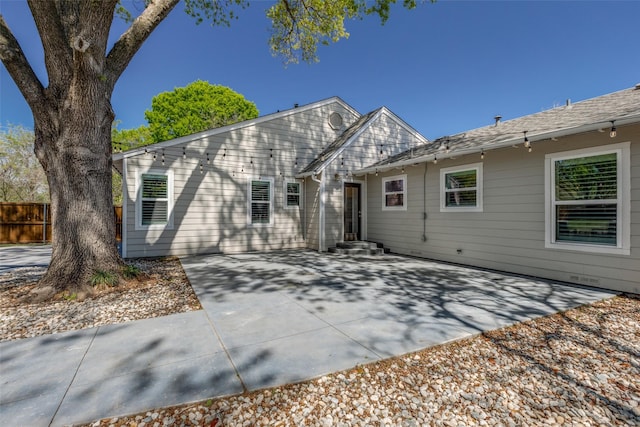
point(435, 160)
point(381, 145)
point(201, 168)
point(154, 156)
point(482, 154)
point(163, 157)
point(224, 155)
point(146, 151)
point(296, 162)
point(446, 147)
point(184, 153)
point(342, 161)
point(208, 160)
point(613, 133)
point(527, 144)
point(271, 153)
point(376, 172)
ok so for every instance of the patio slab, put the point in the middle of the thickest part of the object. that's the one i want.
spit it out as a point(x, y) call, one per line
point(268, 320)
point(294, 315)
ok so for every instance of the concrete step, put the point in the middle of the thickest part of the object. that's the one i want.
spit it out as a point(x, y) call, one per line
point(357, 245)
point(359, 248)
point(357, 251)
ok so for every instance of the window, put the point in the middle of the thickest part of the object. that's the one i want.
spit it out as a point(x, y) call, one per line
point(260, 202)
point(586, 204)
point(461, 188)
point(154, 202)
point(292, 194)
point(394, 191)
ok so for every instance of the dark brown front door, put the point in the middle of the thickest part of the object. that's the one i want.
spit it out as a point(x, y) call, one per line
point(352, 211)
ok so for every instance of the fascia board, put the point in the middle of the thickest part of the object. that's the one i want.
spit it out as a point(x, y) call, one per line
point(241, 125)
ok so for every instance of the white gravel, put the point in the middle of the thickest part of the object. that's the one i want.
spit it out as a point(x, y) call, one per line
point(577, 368)
point(165, 290)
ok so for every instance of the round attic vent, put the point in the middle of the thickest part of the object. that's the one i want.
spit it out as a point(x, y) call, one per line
point(335, 121)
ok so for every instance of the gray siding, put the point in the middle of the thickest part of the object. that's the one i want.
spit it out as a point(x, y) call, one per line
point(210, 208)
point(385, 134)
point(509, 234)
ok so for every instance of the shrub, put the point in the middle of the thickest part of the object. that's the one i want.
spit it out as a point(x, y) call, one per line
point(104, 278)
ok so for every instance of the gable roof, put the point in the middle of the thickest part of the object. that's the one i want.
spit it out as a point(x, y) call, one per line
point(235, 126)
point(622, 107)
point(328, 154)
point(334, 149)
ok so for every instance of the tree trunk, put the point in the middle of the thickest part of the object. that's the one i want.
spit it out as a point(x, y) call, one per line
point(73, 144)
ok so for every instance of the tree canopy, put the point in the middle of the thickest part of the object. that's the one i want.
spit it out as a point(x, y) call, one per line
point(194, 108)
point(72, 109)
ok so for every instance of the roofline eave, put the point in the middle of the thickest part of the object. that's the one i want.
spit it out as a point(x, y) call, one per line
point(508, 143)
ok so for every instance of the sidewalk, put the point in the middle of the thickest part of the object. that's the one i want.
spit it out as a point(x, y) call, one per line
point(268, 319)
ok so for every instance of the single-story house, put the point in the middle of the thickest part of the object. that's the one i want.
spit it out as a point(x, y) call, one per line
point(555, 194)
point(271, 183)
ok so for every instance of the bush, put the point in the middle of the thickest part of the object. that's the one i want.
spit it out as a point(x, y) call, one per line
point(104, 278)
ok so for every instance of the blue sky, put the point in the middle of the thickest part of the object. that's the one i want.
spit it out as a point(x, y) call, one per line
point(444, 68)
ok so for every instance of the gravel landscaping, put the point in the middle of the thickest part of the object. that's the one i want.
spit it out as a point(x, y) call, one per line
point(580, 367)
point(577, 368)
point(164, 289)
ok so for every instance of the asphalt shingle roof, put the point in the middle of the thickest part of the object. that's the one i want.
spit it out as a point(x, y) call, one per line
point(340, 141)
point(600, 110)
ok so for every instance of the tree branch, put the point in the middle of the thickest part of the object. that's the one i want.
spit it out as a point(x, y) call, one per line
point(18, 67)
point(131, 40)
point(57, 51)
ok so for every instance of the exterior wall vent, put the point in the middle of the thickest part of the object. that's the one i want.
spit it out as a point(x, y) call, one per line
point(335, 121)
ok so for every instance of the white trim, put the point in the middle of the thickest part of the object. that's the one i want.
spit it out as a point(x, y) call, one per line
point(270, 180)
point(170, 201)
point(510, 142)
point(405, 196)
point(479, 207)
point(623, 239)
point(235, 126)
point(363, 207)
point(286, 194)
point(125, 208)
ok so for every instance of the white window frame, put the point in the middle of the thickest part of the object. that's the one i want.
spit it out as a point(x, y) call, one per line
point(286, 194)
point(403, 192)
point(479, 207)
point(623, 200)
point(170, 202)
point(250, 201)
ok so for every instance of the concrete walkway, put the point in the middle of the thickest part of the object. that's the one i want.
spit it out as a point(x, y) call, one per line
point(268, 319)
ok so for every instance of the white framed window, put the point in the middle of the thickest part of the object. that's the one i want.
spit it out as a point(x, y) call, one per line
point(587, 202)
point(394, 193)
point(154, 202)
point(461, 188)
point(260, 206)
point(292, 194)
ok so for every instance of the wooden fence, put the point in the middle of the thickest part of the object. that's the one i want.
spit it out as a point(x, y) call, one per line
point(31, 222)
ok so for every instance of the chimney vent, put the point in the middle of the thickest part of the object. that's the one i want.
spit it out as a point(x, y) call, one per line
point(497, 119)
point(637, 86)
point(295, 105)
point(568, 103)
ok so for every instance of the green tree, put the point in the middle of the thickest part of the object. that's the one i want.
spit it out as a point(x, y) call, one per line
point(21, 176)
point(194, 108)
point(73, 114)
point(128, 139)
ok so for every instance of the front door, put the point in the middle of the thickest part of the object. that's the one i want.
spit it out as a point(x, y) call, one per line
point(352, 211)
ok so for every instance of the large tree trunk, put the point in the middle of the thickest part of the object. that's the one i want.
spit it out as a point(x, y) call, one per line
point(72, 124)
point(74, 146)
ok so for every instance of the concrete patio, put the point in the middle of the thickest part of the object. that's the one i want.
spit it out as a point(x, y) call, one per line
point(268, 320)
